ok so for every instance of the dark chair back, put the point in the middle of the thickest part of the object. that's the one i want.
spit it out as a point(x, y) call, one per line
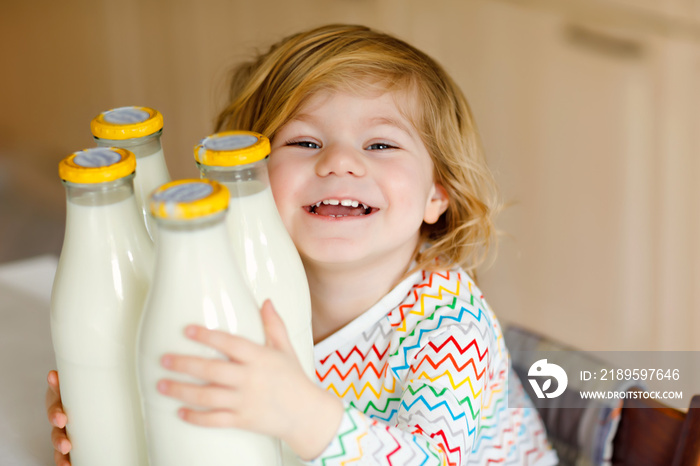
point(651, 433)
point(638, 432)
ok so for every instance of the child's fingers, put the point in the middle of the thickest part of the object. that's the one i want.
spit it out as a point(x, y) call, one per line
point(54, 409)
point(275, 330)
point(212, 418)
point(52, 379)
point(205, 396)
point(60, 442)
point(234, 347)
point(56, 416)
point(60, 459)
point(216, 371)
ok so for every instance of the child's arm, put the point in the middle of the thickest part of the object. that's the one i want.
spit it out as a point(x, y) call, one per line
point(437, 417)
point(260, 388)
point(57, 418)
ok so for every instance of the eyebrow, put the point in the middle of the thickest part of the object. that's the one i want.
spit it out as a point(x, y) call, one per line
point(378, 120)
point(302, 117)
point(391, 122)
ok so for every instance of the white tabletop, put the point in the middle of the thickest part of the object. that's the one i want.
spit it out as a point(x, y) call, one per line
point(26, 356)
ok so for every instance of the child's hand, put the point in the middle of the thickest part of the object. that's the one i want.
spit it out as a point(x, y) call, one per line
point(58, 419)
point(259, 388)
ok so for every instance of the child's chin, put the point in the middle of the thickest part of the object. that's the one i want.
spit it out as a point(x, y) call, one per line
point(335, 251)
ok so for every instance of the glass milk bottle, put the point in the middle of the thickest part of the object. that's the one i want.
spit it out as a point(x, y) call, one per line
point(137, 129)
point(101, 283)
point(262, 246)
point(196, 281)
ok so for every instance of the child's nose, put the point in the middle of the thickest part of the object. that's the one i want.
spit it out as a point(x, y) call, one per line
point(340, 161)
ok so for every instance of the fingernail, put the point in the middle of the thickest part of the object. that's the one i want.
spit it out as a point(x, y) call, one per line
point(162, 386)
point(181, 413)
point(191, 331)
point(167, 361)
point(64, 447)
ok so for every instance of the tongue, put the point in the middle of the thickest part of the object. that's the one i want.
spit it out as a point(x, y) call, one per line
point(338, 210)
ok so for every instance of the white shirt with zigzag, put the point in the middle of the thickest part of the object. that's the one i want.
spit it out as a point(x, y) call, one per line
point(424, 376)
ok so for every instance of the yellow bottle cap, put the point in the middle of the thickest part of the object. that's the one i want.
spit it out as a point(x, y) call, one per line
point(126, 123)
point(231, 148)
point(188, 199)
point(97, 165)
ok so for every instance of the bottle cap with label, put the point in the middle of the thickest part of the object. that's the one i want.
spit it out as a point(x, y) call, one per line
point(97, 165)
point(126, 123)
point(232, 148)
point(188, 199)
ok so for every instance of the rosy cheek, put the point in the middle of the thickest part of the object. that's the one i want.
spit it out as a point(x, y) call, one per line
point(281, 184)
point(278, 193)
point(276, 175)
point(412, 199)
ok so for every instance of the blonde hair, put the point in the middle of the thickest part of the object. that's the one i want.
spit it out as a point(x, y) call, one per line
point(268, 91)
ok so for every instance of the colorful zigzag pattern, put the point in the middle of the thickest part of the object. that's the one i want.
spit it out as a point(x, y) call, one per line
point(427, 384)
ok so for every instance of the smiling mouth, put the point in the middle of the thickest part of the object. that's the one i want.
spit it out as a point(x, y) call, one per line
point(340, 208)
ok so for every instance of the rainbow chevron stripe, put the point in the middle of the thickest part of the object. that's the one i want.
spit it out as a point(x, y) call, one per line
point(425, 384)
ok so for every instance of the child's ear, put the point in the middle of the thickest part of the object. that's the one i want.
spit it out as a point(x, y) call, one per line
point(437, 203)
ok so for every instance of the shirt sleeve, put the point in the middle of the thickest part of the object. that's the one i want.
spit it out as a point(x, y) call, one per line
point(443, 368)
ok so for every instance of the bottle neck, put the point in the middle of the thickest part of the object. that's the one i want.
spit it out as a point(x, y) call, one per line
point(95, 212)
point(100, 194)
point(241, 180)
point(183, 244)
point(192, 225)
point(141, 147)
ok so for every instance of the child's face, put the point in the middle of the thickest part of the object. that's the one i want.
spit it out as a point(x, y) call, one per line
point(343, 148)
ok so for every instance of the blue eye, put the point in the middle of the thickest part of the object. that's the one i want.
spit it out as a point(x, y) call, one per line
point(380, 146)
point(305, 144)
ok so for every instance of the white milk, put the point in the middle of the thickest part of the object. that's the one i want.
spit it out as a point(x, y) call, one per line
point(151, 169)
point(261, 243)
point(100, 286)
point(271, 262)
point(272, 268)
point(196, 281)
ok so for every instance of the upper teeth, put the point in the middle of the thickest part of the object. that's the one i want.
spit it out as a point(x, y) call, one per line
point(343, 202)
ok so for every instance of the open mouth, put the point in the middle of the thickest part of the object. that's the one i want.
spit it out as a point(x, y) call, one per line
point(340, 208)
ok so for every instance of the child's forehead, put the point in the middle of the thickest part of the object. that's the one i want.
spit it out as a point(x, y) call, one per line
point(402, 100)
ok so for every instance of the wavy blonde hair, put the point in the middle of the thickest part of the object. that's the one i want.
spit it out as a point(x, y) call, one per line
point(268, 91)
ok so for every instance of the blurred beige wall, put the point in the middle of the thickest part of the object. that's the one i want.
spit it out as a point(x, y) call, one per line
point(589, 112)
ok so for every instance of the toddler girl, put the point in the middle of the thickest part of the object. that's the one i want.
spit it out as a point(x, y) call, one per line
point(378, 175)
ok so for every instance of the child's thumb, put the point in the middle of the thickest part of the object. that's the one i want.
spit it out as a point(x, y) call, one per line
point(275, 331)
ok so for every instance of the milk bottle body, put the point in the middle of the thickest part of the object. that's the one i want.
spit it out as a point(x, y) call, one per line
point(262, 246)
point(138, 129)
point(266, 254)
point(101, 282)
point(196, 281)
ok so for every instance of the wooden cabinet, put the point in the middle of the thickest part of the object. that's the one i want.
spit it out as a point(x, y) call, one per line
point(592, 132)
